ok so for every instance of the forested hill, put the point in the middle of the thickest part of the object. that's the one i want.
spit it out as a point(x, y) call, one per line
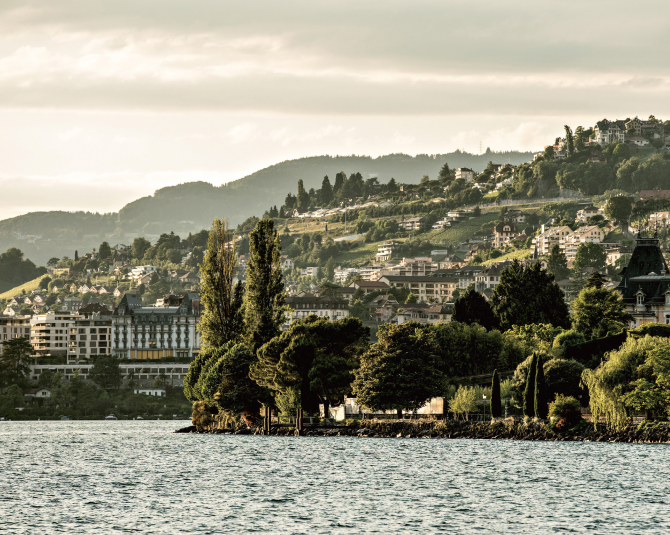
point(193, 205)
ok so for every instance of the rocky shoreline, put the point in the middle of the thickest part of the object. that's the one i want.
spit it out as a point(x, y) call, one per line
point(647, 433)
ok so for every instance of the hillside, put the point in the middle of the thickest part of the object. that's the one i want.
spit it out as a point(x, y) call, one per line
point(18, 290)
point(192, 206)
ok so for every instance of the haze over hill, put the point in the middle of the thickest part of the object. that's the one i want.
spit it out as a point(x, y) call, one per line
point(192, 206)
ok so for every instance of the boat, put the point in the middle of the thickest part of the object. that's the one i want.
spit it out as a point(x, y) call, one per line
point(65, 418)
point(139, 418)
point(110, 417)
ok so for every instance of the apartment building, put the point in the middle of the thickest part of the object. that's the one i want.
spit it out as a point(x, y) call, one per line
point(91, 334)
point(587, 234)
point(412, 224)
point(154, 332)
point(420, 266)
point(659, 219)
point(546, 240)
point(424, 288)
point(49, 333)
point(333, 308)
point(14, 327)
point(431, 314)
point(489, 277)
point(464, 173)
point(142, 375)
point(385, 251)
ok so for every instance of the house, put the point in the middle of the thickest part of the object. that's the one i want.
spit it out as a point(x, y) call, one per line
point(36, 393)
point(413, 223)
point(287, 263)
point(424, 288)
point(572, 241)
point(118, 292)
point(189, 277)
point(585, 213)
point(465, 275)
point(430, 314)
point(175, 274)
point(647, 194)
point(105, 290)
point(659, 219)
point(546, 240)
point(515, 216)
point(382, 308)
point(464, 173)
point(607, 131)
point(11, 311)
point(151, 391)
point(489, 277)
point(598, 157)
point(503, 233)
point(84, 288)
point(638, 141)
point(385, 251)
point(451, 262)
point(347, 293)
point(476, 249)
point(71, 304)
point(415, 267)
point(342, 274)
point(58, 288)
point(144, 279)
point(333, 308)
point(369, 286)
point(645, 284)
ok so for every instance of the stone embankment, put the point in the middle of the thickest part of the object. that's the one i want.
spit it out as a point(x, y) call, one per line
point(501, 430)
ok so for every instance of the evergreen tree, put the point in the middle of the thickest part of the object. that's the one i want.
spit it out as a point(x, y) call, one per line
point(598, 312)
point(330, 269)
point(106, 372)
point(76, 256)
point(557, 263)
point(303, 196)
point(527, 294)
point(445, 174)
point(104, 251)
point(541, 401)
point(569, 141)
point(590, 254)
point(529, 392)
point(326, 191)
point(340, 179)
point(14, 361)
point(264, 289)
point(221, 321)
point(496, 405)
point(595, 280)
point(472, 307)
point(392, 187)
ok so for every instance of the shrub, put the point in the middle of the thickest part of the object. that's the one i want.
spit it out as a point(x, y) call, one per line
point(563, 377)
point(568, 338)
point(564, 406)
point(464, 401)
point(288, 402)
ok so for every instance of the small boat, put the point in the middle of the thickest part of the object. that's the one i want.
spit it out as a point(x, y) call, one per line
point(110, 417)
point(139, 418)
point(65, 418)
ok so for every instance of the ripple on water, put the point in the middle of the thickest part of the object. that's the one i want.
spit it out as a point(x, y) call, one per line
point(138, 477)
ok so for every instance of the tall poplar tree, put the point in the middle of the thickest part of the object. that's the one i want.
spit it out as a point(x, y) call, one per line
point(221, 321)
point(529, 392)
point(303, 196)
point(496, 406)
point(569, 141)
point(326, 193)
point(264, 289)
point(340, 179)
point(541, 401)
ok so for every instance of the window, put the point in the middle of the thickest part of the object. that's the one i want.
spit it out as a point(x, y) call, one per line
point(640, 299)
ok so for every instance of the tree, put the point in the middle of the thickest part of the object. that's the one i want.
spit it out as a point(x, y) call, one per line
point(529, 392)
point(411, 299)
point(557, 263)
point(563, 377)
point(14, 367)
point(444, 175)
point(44, 283)
point(104, 251)
point(392, 187)
point(53, 262)
point(472, 307)
point(330, 269)
point(598, 312)
point(222, 320)
point(496, 406)
point(328, 289)
point(303, 196)
point(264, 289)
point(340, 179)
point(569, 141)
point(326, 192)
point(464, 401)
point(590, 254)
point(139, 247)
point(619, 208)
point(105, 372)
point(595, 280)
point(76, 255)
point(400, 371)
point(314, 355)
point(527, 295)
point(541, 400)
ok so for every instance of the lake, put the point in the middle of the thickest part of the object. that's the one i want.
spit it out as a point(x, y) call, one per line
point(138, 477)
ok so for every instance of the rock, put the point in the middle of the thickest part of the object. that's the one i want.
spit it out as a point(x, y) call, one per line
point(189, 429)
point(243, 431)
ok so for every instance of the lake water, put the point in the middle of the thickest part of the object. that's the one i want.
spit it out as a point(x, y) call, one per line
point(138, 477)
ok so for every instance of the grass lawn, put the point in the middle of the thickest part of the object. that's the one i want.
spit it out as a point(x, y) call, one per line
point(518, 254)
point(615, 236)
point(462, 231)
point(28, 287)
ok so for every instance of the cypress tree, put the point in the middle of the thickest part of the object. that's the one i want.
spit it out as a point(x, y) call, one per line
point(303, 196)
point(326, 191)
point(264, 289)
point(529, 392)
point(541, 396)
point(496, 408)
point(221, 321)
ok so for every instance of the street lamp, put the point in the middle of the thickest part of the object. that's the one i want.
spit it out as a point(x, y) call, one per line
point(484, 397)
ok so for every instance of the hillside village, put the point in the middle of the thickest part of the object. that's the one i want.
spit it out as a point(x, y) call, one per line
point(381, 252)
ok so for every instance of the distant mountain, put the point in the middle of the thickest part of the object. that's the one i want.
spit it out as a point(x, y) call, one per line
point(192, 206)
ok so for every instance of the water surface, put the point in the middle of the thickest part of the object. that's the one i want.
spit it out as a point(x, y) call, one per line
point(138, 477)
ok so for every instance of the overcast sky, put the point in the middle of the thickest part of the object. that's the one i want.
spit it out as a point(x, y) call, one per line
point(102, 102)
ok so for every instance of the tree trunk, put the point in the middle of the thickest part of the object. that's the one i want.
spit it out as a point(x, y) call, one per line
point(326, 408)
point(399, 414)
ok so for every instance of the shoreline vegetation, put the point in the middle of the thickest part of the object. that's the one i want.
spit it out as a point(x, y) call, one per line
point(508, 429)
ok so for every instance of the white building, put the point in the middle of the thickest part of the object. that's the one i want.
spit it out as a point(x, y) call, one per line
point(572, 241)
point(14, 327)
point(464, 173)
point(49, 333)
point(151, 332)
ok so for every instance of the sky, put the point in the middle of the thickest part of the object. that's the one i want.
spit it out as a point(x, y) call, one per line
point(105, 102)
